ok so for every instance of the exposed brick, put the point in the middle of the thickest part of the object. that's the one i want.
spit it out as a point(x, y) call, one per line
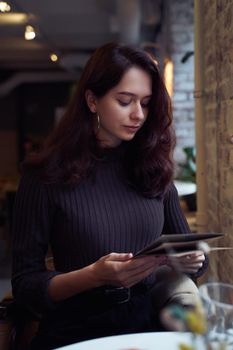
point(218, 117)
point(182, 41)
point(180, 96)
point(218, 40)
point(184, 105)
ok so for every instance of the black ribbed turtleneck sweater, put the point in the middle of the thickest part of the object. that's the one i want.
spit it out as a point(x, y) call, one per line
point(81, 223)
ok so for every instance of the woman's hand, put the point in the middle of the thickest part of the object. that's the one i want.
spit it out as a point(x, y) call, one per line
point(189, 263)
point(122, 270)
point(119, 270)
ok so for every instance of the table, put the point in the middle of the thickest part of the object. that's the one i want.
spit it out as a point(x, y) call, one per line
point(185, 188)
point(137, 341)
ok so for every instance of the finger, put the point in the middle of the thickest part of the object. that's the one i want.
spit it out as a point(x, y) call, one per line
point(196, 253)
point(127, 274)
point(197, 260)
point(121, 271)
point(184, 267)
point(190, 262)
point(140, 273)
point(189, 259)
point(137, 265)
point(189, 255)
point(134, 279)
point(119, 256)
point(194, 261)
point(189, 270)
point(137, 273)
point(196, 265)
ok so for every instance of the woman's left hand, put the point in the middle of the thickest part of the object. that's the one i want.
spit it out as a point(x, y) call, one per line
point(189, 263)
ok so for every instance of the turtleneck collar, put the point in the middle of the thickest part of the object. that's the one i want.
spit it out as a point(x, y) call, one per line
point(108, 154)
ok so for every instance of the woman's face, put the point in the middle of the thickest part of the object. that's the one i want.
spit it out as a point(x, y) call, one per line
point(124, 109)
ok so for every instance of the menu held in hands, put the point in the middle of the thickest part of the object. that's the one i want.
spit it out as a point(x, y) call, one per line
point(178, 244)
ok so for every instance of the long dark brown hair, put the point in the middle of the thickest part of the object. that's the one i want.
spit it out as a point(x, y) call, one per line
point(69, 153)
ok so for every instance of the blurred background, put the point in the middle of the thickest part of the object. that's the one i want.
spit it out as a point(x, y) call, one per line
point(44, 46)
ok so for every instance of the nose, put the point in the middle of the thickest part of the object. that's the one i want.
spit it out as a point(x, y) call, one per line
point(137, 113)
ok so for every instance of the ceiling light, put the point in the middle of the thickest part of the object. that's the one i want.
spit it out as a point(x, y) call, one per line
point(53, 57)
point(13, 18)
point(4, 6)
point(30, 33)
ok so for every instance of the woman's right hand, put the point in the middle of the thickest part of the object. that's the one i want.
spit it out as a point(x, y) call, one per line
point(119, 270)
point(122, 270)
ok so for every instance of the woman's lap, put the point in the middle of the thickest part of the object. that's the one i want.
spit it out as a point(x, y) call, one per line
point(139, 314)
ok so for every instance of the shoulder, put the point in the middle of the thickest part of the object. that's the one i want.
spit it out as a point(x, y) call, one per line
point(171, 192)
point(31, 182)
point(33, 191)
point(30, 177)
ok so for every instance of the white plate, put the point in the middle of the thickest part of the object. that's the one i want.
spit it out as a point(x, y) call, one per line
point(137, 341)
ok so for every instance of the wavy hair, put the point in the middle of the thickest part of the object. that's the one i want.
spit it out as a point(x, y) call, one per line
point(69, 153)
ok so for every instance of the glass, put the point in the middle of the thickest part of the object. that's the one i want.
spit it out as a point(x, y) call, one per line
point(217, 300)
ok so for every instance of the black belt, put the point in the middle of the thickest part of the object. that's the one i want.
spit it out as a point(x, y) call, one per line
point(117, 295)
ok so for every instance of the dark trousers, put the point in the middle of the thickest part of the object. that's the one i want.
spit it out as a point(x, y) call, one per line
point(94, 315)
point(105, 312)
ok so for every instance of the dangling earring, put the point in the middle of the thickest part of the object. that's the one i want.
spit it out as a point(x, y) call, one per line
point(98, 121)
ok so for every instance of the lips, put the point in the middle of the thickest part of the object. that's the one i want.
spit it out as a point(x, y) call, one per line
point(132, 127)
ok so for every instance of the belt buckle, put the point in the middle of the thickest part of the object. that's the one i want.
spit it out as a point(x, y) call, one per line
point(120, 295)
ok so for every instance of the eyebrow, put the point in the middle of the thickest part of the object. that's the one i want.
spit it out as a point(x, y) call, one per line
point(131, 94)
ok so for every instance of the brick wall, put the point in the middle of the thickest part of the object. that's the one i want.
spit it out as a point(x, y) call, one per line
point(218, 39)
point(182, 40)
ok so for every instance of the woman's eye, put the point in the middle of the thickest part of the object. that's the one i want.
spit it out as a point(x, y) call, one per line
point(123, 103)
point(145, 105)
point(126, 103)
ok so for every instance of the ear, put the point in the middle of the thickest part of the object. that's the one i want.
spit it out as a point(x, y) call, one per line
point(91, 100)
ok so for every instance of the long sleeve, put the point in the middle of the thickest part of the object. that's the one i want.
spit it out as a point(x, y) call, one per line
point(32, 226)
point(175, 221)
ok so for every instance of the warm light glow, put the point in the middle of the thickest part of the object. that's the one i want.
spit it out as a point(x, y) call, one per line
point(53, 57)
point(168, 76)
point(4, 6)
point(29, 33)
point(13, 18)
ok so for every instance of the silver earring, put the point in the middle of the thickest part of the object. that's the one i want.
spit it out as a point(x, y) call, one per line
point(98, 121)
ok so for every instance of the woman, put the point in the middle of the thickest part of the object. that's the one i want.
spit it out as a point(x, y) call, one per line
point(99, 191)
